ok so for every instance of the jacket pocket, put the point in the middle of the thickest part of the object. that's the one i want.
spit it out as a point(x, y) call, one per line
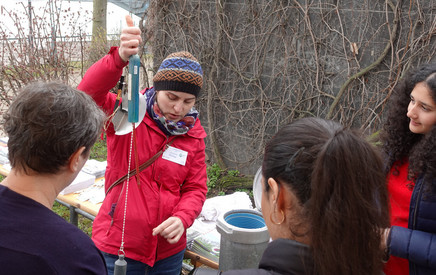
point(169, 175)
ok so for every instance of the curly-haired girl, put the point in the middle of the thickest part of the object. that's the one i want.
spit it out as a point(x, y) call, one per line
point(409, 140)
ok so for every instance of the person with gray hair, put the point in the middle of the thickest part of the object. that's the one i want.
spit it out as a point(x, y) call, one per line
point(51, 128)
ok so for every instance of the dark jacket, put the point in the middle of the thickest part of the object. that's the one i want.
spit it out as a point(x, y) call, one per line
point(417, 243)
point(282, 256)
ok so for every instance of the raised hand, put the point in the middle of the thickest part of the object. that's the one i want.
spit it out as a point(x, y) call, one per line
point(130, 40)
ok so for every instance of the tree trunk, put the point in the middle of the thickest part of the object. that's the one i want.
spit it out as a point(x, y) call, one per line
point(99, 41)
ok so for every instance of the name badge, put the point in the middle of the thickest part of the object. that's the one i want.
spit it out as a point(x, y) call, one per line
point(175, 155)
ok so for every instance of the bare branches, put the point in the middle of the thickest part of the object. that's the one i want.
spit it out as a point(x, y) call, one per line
point(270, 62)
point(364, 71)
point(42, 44)
point(265, 62)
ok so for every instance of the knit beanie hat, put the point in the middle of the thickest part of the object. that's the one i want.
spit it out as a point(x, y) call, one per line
point(180, 72)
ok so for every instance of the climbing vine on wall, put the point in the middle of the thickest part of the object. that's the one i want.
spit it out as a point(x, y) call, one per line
point(267, 63)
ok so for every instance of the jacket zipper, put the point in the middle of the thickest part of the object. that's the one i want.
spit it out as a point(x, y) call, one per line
point(418, 198)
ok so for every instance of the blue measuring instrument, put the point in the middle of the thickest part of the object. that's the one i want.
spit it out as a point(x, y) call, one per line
point(133, 93)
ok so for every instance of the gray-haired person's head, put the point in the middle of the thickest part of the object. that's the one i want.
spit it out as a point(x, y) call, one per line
point(46, 123)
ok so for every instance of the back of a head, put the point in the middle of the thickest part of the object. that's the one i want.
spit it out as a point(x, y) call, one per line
point(338, 178)
point(47, 123)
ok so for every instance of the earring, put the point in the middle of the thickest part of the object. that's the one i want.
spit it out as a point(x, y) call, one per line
point(280, 222)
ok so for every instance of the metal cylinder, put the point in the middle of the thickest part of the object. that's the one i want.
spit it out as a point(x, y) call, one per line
point(120, 267)
point(244, 237)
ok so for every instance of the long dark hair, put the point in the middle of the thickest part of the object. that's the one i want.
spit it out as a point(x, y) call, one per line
point(398, 141)
point(339, 181)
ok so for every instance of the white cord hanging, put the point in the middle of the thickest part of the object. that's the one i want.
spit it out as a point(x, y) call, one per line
point(121, 264)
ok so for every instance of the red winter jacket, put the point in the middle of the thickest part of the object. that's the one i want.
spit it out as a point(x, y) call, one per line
point(166, 188)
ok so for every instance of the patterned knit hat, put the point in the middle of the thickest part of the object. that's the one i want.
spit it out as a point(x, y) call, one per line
point(180, 72)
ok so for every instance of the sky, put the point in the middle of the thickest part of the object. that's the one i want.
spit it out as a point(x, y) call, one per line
point(73, 13)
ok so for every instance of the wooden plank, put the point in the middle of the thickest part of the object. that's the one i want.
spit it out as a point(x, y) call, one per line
point(86, 206)
point(198, 260)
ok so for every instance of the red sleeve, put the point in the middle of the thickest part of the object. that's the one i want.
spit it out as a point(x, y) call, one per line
point(103, 76)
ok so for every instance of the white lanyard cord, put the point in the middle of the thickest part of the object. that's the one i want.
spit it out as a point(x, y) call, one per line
point(121, 251)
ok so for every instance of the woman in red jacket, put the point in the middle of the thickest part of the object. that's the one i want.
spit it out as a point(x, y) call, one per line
point(146, 221)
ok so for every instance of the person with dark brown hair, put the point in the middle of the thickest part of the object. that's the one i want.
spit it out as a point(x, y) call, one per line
point(324, 201)
point(409, 141)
